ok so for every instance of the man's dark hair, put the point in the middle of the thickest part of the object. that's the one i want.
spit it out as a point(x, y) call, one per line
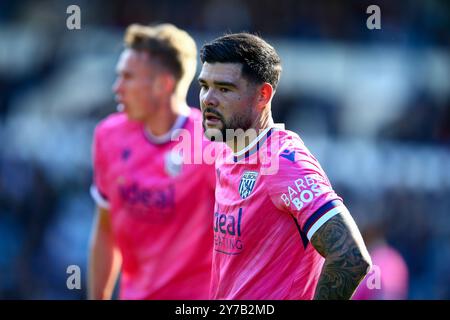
point(260, 62)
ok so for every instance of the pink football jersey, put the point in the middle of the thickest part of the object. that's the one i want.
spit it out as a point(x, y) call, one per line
point(160, 208)
point(271, 198)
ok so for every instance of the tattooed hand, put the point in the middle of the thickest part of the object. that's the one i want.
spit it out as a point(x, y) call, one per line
point(346, 258)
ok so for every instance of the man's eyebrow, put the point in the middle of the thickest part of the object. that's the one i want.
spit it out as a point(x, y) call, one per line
point(124, 73)
point(225, 84)
point(219, 83)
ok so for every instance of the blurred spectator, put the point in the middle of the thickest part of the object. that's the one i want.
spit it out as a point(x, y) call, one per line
point(388, 278)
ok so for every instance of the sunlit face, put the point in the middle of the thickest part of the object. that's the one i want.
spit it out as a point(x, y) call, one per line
point(134, 86)
point(227, 99)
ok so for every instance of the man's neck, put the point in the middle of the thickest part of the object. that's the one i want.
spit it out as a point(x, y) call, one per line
point(242, 141)
point(166, 115)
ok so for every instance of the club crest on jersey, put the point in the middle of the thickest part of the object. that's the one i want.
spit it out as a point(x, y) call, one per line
point(173, 163)
point(247, 183)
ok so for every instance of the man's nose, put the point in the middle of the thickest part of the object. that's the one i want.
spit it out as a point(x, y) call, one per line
point(210, 99)
point(117, 85)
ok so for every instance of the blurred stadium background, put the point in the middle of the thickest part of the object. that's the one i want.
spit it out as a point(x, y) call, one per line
point(373, 105)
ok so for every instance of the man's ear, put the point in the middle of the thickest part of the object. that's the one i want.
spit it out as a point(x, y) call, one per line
point(165, 83)
point(265, 94)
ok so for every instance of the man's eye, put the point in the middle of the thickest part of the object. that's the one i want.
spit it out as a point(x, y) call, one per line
point(203, 86)
point(224, 90)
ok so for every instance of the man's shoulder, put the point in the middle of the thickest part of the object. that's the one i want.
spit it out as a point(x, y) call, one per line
point(195, 113)
point(113, 122)
point(291, 148)
point(195, 116)
point(191, 118)
point(289, 156)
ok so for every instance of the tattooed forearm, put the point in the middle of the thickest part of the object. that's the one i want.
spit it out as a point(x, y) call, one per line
point(346, 258)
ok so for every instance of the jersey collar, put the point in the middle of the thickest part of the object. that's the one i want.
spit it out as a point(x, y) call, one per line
point(167, 137)
point(253, 146)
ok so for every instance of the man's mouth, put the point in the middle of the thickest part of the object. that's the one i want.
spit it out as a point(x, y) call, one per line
point(211, 119)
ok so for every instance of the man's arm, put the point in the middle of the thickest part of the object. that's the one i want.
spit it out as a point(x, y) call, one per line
point(346, 258)
point(104, 260)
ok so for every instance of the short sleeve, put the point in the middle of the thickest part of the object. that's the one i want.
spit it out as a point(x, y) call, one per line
point(301, 188)
point(99, 188)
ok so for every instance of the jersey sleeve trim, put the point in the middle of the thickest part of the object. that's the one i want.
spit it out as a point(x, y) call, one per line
point(99, 199)
point(322, 215)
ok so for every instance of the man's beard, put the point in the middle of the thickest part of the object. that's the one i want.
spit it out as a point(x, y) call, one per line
point(238, 121)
